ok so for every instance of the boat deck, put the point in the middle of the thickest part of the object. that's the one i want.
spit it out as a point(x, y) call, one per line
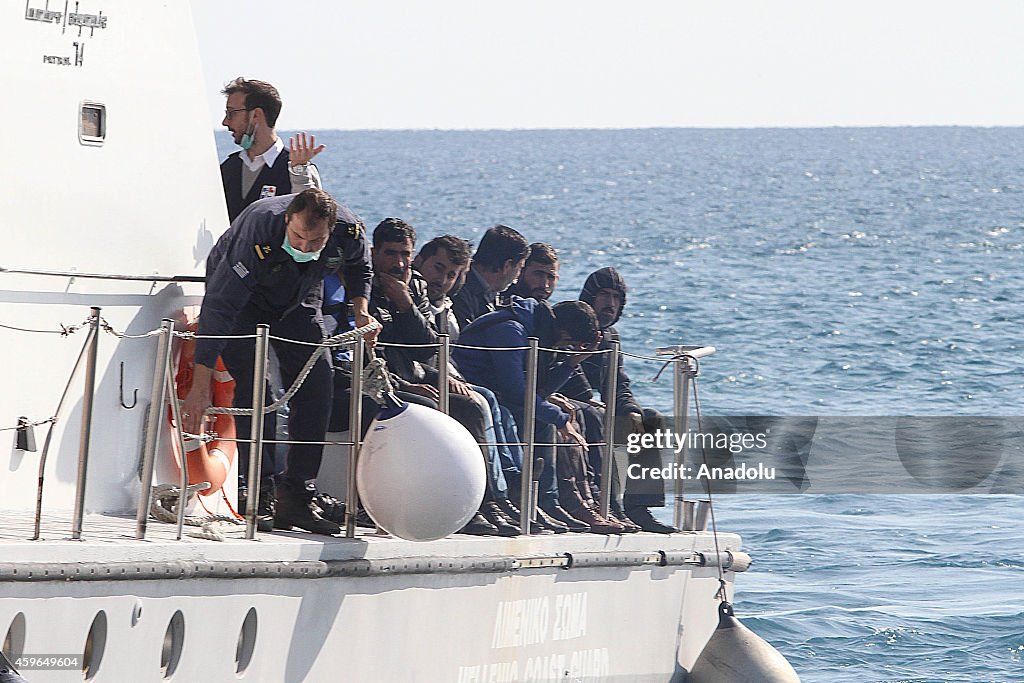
point(111, 538)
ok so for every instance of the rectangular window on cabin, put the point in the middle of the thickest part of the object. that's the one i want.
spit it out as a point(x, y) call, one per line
point(92, 124)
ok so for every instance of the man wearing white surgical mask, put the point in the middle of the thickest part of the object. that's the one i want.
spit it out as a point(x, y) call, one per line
point(268, 269)
point(263, 168)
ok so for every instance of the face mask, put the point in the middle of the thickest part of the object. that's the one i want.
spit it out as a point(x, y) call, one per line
point(248, 138)
point(300, 256)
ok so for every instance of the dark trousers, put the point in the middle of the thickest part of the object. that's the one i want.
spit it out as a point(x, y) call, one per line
point(543, 434)
point(644, 491)
point(309, 409)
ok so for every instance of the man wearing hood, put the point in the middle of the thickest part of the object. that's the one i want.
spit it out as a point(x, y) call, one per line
point(605, 291)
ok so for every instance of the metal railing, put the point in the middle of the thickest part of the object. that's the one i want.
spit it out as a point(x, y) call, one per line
point(682, 358)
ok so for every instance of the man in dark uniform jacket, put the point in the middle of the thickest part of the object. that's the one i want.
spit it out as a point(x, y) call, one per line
point(263, 168)
point(268, 268)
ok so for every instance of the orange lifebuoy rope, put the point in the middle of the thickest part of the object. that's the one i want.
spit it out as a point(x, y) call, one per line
point(207, 461)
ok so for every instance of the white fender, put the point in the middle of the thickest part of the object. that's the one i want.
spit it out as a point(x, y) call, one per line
point(420, 474)
point(735, 654)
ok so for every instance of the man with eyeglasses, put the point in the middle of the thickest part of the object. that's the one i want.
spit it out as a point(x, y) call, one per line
point(263, 167)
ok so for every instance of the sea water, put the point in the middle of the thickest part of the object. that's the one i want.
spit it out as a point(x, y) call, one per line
point(838, 272)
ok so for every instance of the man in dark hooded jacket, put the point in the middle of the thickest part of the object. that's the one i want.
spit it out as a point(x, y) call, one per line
point(605, 291)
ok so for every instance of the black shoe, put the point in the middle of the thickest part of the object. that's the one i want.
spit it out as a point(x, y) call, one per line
point(512, 512)
point(496, 516)
point(549, 524)
point(295, 508)
point(330, 507)
point(556, 512)
point(478, 526)
point(265, 509)
point(642, 517)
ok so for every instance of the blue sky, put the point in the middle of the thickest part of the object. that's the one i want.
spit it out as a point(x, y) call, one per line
point(596, 64)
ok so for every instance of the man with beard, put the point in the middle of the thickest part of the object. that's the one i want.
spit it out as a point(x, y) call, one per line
point(605, 291)
point(263, 168)
point(268, 268)
point(539, 276)
point(399, 299)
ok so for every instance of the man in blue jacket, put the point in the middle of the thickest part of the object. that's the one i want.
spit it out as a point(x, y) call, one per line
point(268, 268)
point(570, 325)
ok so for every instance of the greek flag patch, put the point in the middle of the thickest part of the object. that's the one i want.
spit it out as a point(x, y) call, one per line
point(240, 269)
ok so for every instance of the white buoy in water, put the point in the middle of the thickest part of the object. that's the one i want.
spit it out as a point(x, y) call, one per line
point(735, 654)
point(420, 475)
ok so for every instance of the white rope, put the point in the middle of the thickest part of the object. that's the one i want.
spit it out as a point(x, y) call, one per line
point(343, 338)
point(164, 508)
point(64, 331)
point(37, 423)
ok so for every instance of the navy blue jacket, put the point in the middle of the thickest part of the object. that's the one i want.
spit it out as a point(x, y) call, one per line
point(249, 268)
point(504, 372)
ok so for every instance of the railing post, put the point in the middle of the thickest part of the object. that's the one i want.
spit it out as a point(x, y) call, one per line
point(442, 373)
point(171, 389)
point(153, 422)
point(259, 395)
point(610, 389)
point(88, 397)
point(681, 395)
point(528, 433)
point(355, 429)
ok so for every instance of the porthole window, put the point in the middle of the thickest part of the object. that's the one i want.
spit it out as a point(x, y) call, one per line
point(14, 642)
point(95, 645)
point(174, 641)
point(246, 642)
point(92, 123)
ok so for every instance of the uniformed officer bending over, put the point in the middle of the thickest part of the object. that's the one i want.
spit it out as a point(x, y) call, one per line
point(268, 268)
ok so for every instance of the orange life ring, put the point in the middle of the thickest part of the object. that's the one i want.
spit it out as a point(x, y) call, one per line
point(207, 461)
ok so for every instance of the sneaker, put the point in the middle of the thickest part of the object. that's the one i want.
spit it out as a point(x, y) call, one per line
point(598, 524)
point(496, 516)
point(643, 518)
point(558, 513)
point(478, 526)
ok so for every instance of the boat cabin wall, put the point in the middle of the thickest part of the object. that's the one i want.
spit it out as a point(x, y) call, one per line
point(112, 169)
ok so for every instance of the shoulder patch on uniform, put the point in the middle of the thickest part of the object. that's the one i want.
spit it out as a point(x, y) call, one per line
point(354, 230)
point(261, 250)
point(240, 269)
point(268, 191)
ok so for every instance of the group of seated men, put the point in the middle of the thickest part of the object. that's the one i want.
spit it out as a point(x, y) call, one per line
point(291, 261)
